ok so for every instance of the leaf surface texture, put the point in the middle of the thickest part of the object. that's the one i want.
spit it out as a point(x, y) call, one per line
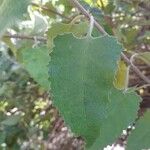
point(82, 73)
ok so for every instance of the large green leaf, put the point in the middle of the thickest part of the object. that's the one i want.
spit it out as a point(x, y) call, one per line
point(10, 11)
point(140, 137)
point(82, 73)
point(35, 61)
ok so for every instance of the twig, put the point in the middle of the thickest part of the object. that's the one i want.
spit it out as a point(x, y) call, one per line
point(100, 28)
point(50, 10)
point(16, 36)
point(135, 69)
point(84, 12)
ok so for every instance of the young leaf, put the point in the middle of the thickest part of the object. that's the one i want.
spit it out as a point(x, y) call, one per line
point(10, 11)
point(82, 73)
point(140, 137)
point(35, 61)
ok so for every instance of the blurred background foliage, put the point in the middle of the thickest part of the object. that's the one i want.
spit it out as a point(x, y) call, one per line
point(25, 107)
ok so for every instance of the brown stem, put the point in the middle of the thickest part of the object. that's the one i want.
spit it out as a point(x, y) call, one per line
point(86, 14)
point(16, 36)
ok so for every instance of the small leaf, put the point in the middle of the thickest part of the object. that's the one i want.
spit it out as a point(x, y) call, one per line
point(10, 11)
point(35, 61)
point(139, 138)
point(82, 73)
point(11, 120)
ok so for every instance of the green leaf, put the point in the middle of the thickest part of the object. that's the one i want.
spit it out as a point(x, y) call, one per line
point(145, 57)
point(82, 73)
point(78, 30)
point(140, 136)
point(10, 11)
point(11, 120)
point(35, 61)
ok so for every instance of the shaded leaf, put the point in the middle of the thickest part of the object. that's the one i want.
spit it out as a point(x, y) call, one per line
point(11, 120)
point(82, 73)
point(35, 61)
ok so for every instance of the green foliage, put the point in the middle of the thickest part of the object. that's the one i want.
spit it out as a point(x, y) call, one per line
point(51, 13)
point(21, 104)
point(11, 120)
point(82, 71)
point(10, 11)
point(78, 30)
point(140, 137)
point(82, 84)
point(35, 61)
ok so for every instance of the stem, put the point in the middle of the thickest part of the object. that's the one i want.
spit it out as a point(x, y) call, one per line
point(135, 69)
point(42, 39)
point(100, 28)
point(50, 10)
point(87, 15)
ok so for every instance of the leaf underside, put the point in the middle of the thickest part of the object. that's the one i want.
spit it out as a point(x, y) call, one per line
point(81, 73)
